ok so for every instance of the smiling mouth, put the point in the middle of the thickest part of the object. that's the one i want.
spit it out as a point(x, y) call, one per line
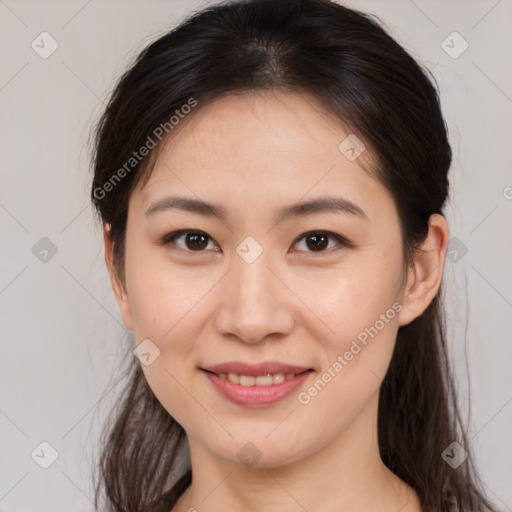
point(269, 379)
point(260, 390)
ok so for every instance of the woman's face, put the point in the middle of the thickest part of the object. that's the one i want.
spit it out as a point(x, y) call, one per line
point(258, 286)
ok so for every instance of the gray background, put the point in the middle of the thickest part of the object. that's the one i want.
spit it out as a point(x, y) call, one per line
point(61, 333)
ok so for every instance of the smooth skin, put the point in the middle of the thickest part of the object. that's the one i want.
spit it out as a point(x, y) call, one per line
point(253, 154)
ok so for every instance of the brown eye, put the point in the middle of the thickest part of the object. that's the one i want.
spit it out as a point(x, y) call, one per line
point(318, 241)
point(196, 241)
point(193, 241)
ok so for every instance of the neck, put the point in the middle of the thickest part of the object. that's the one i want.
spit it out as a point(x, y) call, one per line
point(346, 474)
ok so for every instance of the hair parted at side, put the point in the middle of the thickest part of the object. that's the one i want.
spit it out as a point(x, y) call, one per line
point(364, 77)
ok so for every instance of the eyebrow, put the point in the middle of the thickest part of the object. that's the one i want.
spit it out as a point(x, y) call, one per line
point(327, 204)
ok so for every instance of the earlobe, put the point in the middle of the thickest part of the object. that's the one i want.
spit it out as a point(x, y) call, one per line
point(424, 277)
point(118, 286)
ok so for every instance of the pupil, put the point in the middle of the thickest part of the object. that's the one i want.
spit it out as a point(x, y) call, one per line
point(319, 242)
point(195, 237)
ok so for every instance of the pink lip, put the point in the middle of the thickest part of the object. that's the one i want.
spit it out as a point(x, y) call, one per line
point(256, 396)
point(240, 368)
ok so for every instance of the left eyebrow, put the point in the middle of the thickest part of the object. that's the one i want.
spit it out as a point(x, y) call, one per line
point(326, 204)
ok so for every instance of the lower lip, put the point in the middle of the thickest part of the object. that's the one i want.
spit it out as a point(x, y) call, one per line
point(256, 396)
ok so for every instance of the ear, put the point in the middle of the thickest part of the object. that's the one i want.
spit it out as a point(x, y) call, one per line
point(118, 286)
point(424, 276)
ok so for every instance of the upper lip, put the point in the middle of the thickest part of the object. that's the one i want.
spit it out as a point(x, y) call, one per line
point(241, 368)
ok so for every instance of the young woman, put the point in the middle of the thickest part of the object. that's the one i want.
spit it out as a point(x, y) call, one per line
point(271, 177)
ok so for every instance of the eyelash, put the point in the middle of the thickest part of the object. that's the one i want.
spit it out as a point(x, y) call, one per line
point(343, 242)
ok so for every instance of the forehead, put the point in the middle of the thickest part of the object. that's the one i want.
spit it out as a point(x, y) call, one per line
point(248, 122)
point(261, 146)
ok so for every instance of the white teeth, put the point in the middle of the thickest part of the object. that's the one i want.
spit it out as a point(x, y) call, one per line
point(277, 378)
point(260, 380)
point(235, 379)
point(264, 380)
point(246, 380)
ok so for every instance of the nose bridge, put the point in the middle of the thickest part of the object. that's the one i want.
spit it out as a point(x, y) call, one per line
point(253, 279)
point(253, 305)
point(251, 274)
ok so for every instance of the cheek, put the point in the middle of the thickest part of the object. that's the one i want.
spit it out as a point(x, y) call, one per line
point(349, 303)
point(167, 310)
point(356, 356)
point(359, 321)
point(362, 336)
point(162, 296)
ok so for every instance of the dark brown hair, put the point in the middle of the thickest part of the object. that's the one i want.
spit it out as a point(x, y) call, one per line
point(364, 77)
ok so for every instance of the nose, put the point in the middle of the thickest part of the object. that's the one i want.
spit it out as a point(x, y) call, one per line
point(256, 303)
